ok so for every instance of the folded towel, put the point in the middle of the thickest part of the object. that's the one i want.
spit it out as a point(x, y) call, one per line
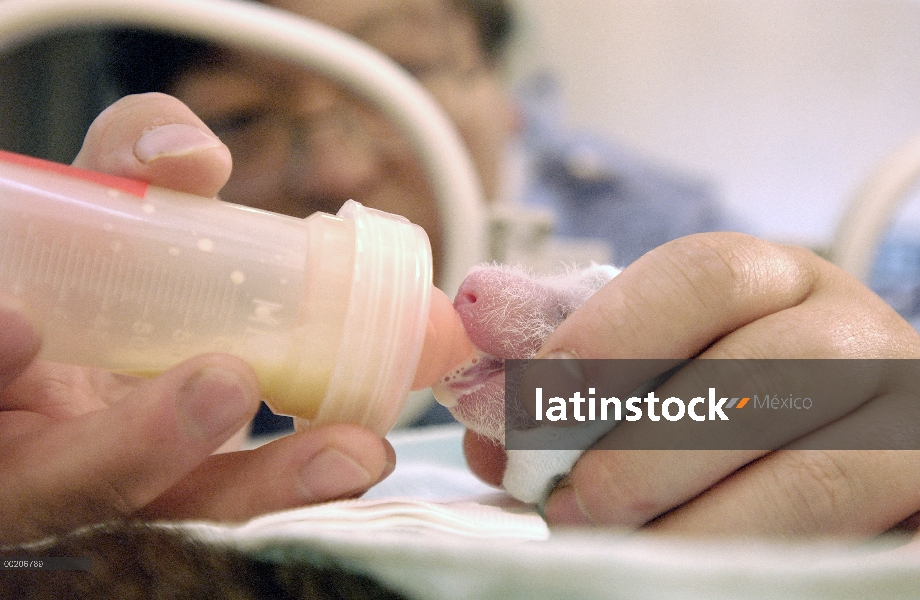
point(530, 475)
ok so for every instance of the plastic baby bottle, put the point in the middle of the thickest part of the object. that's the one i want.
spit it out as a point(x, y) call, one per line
point(331, 311)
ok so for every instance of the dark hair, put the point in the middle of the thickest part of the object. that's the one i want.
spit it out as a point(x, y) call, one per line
point(140, 60)
point(150, 61)
point(494, 21)
point(129, 559)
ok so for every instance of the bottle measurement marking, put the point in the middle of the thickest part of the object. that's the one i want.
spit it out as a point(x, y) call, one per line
point(61, 266)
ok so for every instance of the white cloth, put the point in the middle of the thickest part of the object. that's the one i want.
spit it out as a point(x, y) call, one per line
point(530, 475)
point(417, 555)
point(387, 515)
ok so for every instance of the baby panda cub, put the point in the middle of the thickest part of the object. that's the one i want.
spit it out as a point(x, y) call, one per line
point(508, 314)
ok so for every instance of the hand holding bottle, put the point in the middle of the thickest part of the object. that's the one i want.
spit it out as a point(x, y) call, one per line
point(81, 445)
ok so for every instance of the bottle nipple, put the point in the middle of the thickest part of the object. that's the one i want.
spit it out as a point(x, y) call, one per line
point(446, 343)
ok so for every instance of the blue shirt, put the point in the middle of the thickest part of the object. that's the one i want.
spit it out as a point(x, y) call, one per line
point(600, 190)
point(895, 274)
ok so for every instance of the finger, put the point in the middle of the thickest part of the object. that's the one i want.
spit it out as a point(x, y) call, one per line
point(112, 462)
point(816, 486)
point(807, 492)
point(681, 297)
point(623, 488)
point(62, 391)
point(740, 298)
point(325, 463)
point(838, 317)
point(645, 468)
point(835, 391)
point(156, 138)
point(486, 458)
point(629, 488)
point(19, 339)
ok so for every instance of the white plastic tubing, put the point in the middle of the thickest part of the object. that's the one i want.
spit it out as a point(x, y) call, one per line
point(354, 64)
point(859, 235)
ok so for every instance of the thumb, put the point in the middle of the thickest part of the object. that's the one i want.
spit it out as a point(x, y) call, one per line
point(156, 138)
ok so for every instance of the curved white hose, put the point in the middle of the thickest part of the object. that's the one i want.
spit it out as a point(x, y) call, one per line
point(357, 66)
point(857, 240)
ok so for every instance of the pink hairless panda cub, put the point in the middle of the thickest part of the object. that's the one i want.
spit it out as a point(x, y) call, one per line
point(508, 314)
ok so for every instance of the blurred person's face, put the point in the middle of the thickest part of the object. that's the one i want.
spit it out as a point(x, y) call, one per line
point(302, 144)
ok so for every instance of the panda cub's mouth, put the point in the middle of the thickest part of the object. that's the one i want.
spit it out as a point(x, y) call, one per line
point(468, 378)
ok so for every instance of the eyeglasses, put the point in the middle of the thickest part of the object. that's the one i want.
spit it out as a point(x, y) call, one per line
point(273, 135)
point(269, 136)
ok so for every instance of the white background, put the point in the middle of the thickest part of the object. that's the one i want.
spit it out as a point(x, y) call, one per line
point(786, 104)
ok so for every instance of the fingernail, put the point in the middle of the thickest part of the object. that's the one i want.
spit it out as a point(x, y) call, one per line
point(560, 355)
point(332, 474)
point(391, 462)
point(557, 374)
point(569, 366)
point(563, 508)
point(173, 140)
point(215, 401)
